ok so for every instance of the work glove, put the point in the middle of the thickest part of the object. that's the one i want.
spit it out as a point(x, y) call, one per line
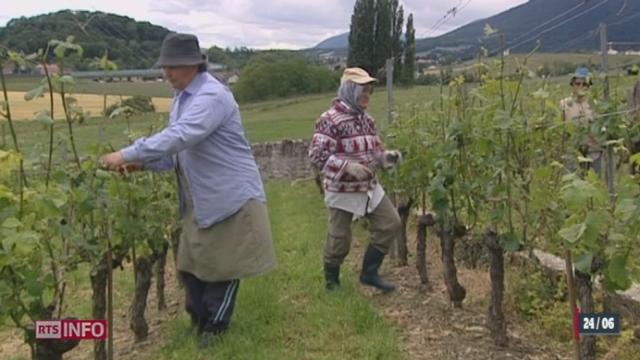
point(390, 158)
point(358, 171)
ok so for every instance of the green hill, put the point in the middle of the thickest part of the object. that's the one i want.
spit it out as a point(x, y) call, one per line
point(131, 43)
point(561, 26)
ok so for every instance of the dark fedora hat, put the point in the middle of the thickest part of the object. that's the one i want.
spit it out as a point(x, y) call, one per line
point(180, 49)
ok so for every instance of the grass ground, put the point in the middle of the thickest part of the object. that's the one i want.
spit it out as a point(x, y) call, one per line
point(287, 314)
point(592, 60)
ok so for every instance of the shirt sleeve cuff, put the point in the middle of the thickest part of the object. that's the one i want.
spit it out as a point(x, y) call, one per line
point(130, 153)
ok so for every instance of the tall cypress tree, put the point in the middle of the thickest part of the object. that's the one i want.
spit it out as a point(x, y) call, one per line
point(355, 46)
point(409, 66)
point(383, 45)
point(376, 35)
point(361, 36)
point(396, 39)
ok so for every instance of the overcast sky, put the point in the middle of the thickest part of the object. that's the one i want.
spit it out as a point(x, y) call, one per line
point(290, 24)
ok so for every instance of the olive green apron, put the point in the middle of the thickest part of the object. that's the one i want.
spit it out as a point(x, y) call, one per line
point(238, 247)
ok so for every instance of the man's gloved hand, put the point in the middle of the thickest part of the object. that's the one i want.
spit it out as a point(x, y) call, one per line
point(391, 158)
point(358, 171)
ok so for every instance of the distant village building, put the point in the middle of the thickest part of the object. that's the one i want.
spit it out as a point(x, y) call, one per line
point(422, 64)
point(233, 79)
point(431, 70)
point(9, 68)
point(215, 67)
point(328, 56)
point(333, 61)
point(51, 68)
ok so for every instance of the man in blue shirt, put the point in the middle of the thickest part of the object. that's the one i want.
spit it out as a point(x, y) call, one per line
point(225, 227)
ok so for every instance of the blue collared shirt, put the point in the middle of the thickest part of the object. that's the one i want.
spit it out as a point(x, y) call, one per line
point(205, 136)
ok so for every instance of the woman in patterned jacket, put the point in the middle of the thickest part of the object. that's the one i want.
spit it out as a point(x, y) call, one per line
point(347, 150)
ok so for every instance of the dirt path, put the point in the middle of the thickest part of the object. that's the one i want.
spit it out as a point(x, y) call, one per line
point(430, 328)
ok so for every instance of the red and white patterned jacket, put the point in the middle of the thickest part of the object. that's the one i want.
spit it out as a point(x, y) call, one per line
point(342, 135)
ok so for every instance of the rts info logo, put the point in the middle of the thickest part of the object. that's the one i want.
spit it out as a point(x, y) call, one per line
point(72, 329)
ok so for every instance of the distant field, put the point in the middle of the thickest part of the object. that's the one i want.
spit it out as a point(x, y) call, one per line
point(24, 110)
point(536, 60)
point(83, 86)
point(273, 120)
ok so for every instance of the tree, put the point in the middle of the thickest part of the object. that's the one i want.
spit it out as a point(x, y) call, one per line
point(219, 56)
point(383, 46)
point(398, 20)
point(409, 66)
point(361, 40)
point(275, 78)
point(376, 35)
point(131, 44)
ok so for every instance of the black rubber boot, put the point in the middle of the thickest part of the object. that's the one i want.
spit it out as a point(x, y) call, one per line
point(371, 263)
point(331, 276)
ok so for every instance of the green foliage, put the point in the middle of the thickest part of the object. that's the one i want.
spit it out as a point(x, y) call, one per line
point(272, 56)
point(48, 228)
point(264, 80)
point(493, 157)
point(383, 46)
point(409, 66)
point(219, 56)
point(104, 63)
point(537, 298)
point(361, 36)
point(534, 291)
point(138, 104)
point(556, 68)
point(131, 44)
point(428, 79)
point(376, 35)
point(397, 40)
point(239, 58)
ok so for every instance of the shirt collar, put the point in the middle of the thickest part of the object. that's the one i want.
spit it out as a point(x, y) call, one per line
point(193, 86)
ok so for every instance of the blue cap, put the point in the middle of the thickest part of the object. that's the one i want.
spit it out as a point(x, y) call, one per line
point(581, 73)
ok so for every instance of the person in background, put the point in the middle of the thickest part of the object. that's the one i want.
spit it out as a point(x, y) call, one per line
point(226, 234)
point(578, 110)
point(347, 150)
point(634, 143)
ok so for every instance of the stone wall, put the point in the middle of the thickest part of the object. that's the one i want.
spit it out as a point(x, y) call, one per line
point(284, 160)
